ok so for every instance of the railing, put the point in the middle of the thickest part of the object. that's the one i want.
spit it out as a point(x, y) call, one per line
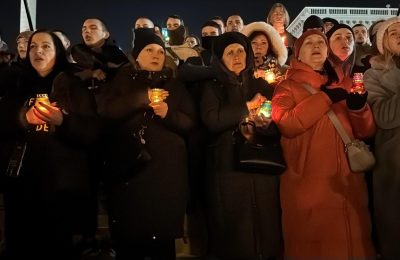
point(347, 15)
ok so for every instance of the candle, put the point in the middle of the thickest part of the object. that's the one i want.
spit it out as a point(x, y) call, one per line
point(358, 84)
point(284, 41)
point(156, 95)
point(42, 99)
point(269, 76)
point(266, 109)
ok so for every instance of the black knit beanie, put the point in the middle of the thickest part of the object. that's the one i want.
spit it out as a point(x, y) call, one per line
point(313, 22)
point(222, 41)
point(143, 38)
point(337, 27)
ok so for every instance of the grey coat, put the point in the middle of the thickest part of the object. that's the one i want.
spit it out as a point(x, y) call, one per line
point(384, 98)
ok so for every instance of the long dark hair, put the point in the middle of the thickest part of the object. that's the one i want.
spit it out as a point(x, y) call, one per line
point(61, 56)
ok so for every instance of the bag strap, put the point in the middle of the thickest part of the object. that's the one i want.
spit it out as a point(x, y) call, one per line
point(332, 116)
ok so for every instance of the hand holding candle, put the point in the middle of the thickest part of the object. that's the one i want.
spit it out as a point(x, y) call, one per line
point(254, 104)
point(41, 99)
point(157, 95)
point(49, 113)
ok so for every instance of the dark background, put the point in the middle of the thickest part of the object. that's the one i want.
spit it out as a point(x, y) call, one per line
point(119, 15)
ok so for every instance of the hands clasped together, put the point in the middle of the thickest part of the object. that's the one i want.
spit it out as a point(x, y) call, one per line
point(253, 106)
point(44, 114)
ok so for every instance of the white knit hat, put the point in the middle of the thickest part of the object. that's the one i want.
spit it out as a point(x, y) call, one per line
point(382, 29)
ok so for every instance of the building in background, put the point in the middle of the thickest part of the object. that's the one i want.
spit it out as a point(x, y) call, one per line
point(346, 15)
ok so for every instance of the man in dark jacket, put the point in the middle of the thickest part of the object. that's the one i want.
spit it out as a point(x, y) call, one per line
point(97, 60)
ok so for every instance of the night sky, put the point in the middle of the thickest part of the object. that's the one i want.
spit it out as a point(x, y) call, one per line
point(119, 15)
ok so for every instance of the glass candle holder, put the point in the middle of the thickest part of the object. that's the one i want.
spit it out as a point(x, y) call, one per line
point(42, 99)
point(156, 95)
point(270, 76)
point(266, 109)
point(358, 83)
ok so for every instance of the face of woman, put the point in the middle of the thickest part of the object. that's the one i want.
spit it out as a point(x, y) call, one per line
point(314, 51)
point(234, 58)
point(42, 53)
point(342, 43)
point(278, 16)
point(191, 41)
point(260, 45)
point(151, 58)
point(393, 34)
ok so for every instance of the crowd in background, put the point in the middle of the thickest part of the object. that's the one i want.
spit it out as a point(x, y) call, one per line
point(148, 135)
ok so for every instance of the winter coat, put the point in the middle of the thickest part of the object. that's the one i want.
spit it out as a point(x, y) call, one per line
point(383, 96)
point(243, 207)
point(324, 205)
point(53, 186)
point(146, 202)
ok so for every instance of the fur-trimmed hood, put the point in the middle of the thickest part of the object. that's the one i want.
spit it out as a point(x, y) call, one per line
point(278, 47)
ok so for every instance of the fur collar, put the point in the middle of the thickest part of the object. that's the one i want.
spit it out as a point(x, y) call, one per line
point(278, 47)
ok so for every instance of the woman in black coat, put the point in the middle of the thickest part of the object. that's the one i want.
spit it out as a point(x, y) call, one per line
point(43, 203)
point(243, 207)
point(147, 182)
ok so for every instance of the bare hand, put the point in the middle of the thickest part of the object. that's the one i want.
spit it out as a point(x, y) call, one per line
point(32, 118)
point(98, 74)
point(164, 94)
point(255, 102)
point(160, 109)
point(261, 120)
point(51, 114)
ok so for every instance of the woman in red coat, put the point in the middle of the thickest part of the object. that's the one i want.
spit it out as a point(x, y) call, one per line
point(324, 203)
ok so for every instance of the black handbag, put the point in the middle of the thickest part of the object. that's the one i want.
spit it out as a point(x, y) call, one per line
point(258, 150)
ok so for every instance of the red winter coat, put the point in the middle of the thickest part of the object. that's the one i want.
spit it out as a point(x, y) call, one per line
point(325, 205)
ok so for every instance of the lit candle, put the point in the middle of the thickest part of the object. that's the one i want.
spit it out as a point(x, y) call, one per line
point(358, 84)
point(265, 109)
point(284, 41)
point(42, 99)
point(156, 95)
point(269, 76)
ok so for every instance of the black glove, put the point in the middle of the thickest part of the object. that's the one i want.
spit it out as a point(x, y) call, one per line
point(335, 94)
point(356, 101)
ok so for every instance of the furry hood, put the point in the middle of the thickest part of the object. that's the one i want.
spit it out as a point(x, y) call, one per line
point(278, 48)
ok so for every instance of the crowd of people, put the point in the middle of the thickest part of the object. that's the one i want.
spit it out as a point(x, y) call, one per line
point(149, 134)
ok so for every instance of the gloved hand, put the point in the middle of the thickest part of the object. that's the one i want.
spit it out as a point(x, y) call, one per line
point(335, 94)
point(356, 101)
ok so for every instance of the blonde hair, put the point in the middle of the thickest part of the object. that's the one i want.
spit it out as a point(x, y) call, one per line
point(387, 56)
point(271, 11)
